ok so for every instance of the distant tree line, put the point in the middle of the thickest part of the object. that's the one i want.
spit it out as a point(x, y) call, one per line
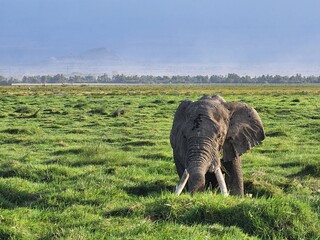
point(149, 79)
point(8, 81)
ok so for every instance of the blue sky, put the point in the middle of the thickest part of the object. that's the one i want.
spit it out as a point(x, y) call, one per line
point(244, 36)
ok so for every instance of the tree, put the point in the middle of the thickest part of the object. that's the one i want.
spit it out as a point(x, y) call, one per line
point(44, 80)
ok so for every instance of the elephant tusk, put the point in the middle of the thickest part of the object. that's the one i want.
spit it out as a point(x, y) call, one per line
point(182, 182)
point(221, 182)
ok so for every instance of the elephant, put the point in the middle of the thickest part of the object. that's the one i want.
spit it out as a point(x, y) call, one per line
point(202, 132)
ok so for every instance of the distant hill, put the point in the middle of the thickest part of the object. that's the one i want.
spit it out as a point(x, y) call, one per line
point(91, 56)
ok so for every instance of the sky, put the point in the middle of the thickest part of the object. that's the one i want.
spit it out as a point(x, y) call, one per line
point(247, 37)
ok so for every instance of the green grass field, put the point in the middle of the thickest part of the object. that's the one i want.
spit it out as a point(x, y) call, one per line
point(95, 163)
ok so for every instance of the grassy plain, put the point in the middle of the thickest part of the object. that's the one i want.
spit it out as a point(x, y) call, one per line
point(70, 169)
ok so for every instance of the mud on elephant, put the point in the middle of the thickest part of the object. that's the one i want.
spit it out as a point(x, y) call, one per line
point(204, 129)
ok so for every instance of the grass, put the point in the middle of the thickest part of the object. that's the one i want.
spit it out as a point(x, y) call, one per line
point(95, 163)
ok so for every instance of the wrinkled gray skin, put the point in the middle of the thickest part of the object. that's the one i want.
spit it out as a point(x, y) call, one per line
point(204, 129)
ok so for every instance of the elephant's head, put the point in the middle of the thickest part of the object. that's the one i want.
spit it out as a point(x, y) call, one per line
point(203, 129)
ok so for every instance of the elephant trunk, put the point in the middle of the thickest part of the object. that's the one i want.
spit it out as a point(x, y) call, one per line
point(201, 151)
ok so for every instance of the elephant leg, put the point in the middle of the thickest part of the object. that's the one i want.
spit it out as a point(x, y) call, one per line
point(234, 176)
point(180, 169)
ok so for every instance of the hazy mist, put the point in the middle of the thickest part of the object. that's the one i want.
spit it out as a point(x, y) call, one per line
point(159, 37)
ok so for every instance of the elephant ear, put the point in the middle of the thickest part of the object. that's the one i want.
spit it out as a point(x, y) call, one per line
point(179, 119)
point(245, 130)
